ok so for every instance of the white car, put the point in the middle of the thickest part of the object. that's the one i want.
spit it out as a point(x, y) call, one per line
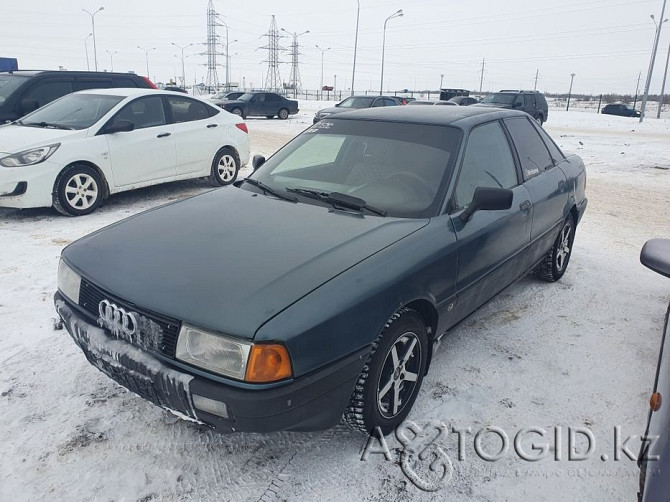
point(79, 149)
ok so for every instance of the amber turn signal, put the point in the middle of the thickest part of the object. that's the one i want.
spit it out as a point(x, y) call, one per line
point(268, 363)
point(655, 401)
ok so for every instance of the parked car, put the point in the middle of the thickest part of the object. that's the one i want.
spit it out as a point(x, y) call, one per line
point(175, 88)
point(356, 103)
point(23, 91)
point(218, 98)
point(655, 255)
point(619, 109)
point(464, 100)
point(261, 104)
point(83, 147)
point(432, 102)
point(365, 239)
point(532, 102)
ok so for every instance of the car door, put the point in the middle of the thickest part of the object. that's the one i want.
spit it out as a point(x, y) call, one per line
point(257, 105)
point(272, 103)
point(146, 153)
point(545, 181)
point(197, 136)
point(493, 245)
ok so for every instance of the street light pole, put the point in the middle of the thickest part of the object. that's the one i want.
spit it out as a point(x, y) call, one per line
point(95, 48)
point(572, 78)
point(398, 13)
point(323, 51)
point(441, 79)
point(111, 58)
point(183, 71)
point(146, 54)
point(651, 62)
point(665, 76)
point(353, 72)
point(88, 65)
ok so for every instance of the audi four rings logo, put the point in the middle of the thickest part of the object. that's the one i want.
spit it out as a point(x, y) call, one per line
point(116, 319)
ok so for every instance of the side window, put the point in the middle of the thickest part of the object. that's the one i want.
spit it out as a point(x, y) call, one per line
point(487, 162)
point(528, 103)
point(272, 98)
point(378, 102)
point(259, 98)
point(554, 151)
point(46, 92)
point(518, 101)
point(82, 85)
point(389, 102)
point(532, 151)
point(144, 112)
point(187, 110)
point(124, 82)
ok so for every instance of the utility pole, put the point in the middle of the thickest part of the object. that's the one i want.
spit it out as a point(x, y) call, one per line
point(294, 81)
point(637, 88)
point(88, 65)
point(111, 58)
point(212, 81)
point(665, 76)
point(572, 78)
point(334, 84)
point(273, 80)
point(441, 80)
point(481, 80)
point(353, 72)
point(323, 51)
point(397, 13)
point(146, 54)
point(183, 72)
point(651, 62)
point(95, 48)
point(537, 75)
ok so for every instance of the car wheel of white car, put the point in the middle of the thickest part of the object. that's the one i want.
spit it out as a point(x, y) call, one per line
point(79, 190)
point(392, 376)
point(283, 114)
point(225, 167)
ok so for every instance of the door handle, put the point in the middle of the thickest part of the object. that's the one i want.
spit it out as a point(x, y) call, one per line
point(209, 126)
point(525, 206)
point(561, 185)
point(163, 135)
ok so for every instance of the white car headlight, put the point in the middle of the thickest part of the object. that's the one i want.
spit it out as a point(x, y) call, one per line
point(220, 354)
point(29, 157)
point(68, 282)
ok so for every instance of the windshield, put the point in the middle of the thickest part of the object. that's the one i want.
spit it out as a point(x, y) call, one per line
point(8, 84)
point(401, 169)
point(246, 96)
point(74, 111)
point(500, 98)
point(357, 102)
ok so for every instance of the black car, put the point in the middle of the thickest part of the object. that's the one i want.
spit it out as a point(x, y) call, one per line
point(619, 109)
point(532, 102)
point(261, 104)
point(464, 100)
point(365, 239)
point(654, 459)
point(357, 103)
point(23, 91)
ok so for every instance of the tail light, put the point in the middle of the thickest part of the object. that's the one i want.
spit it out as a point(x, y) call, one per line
point(242, 127)
point(151, 84)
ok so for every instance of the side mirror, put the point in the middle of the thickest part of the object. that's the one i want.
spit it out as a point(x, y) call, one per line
point(655, 255)
point(120, 125)
point(257, 161)
point(488, 199)
point(29, 105)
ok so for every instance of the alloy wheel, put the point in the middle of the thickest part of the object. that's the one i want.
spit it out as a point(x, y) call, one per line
point(399, 375)
point(81, 191)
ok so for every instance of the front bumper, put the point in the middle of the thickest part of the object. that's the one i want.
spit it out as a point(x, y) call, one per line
point(312, 402)
point(30, 186)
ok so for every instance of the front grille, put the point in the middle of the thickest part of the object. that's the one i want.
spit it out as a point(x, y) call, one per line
point(156, 332)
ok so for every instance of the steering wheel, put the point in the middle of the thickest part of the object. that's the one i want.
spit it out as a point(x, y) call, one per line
point(416, 182)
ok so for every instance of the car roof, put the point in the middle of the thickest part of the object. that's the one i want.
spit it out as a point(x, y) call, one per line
point(32, 73)
point(129, 91)
point(463, 117)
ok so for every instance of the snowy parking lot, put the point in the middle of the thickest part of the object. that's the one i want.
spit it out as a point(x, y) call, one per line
point(575, 355)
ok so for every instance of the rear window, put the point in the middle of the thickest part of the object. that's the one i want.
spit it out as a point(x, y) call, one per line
point(8, 84)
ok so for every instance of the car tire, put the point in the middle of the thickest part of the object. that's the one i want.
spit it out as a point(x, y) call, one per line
point(555, 262)
point(79, 190)
point(225, 166)
point(383, 395)
point(538, 119)
point(283, 114)
point(238, 112)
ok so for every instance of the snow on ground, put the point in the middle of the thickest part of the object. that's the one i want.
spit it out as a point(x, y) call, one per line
point(577, 353)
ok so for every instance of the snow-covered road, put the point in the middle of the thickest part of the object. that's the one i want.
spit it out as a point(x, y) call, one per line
point(579, 353)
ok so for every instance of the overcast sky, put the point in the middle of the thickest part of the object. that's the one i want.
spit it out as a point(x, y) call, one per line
point(606, 43)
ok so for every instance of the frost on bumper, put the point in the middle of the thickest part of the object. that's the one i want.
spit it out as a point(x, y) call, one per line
point(131, 367)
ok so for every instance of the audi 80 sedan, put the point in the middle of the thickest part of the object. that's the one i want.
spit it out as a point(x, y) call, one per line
point(364, 239)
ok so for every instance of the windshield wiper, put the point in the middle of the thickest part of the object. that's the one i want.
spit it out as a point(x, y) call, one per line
point(48, 125)
point(338, 200)
point(267, 190)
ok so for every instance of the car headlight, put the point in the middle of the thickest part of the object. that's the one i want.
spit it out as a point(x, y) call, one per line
point(29, 157)
point(259, 363)
point(68, 281)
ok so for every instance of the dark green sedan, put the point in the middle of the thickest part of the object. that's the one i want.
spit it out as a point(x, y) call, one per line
point(363, 240)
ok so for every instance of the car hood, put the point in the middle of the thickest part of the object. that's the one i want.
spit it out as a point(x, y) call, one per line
point(16, 138)
point(229, 102)
point(334, 109)
point(229, 260)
